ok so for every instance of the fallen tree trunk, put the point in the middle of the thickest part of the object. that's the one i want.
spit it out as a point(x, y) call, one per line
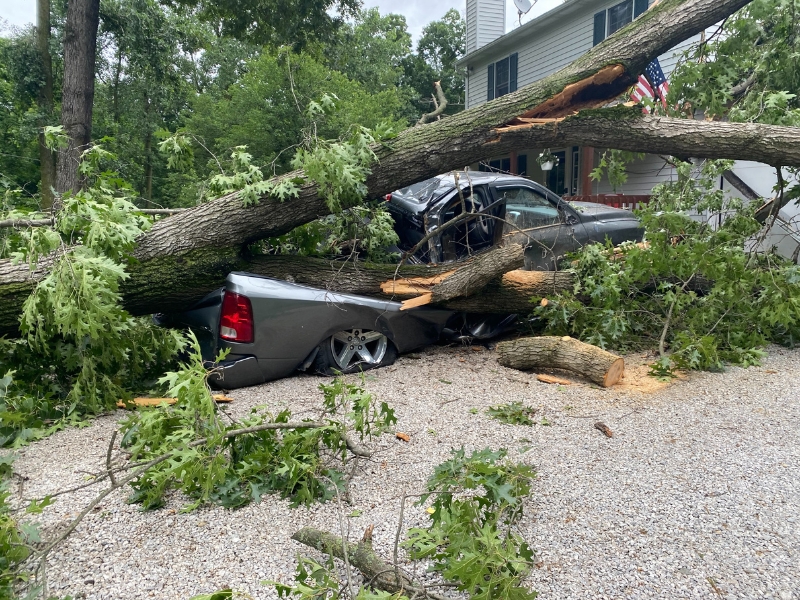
point(183, 257)
point(597, 365)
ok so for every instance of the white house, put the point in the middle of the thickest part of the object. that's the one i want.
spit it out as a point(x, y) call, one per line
point(497, 63)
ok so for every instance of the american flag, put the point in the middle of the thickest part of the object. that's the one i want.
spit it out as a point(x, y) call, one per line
point(651, 84)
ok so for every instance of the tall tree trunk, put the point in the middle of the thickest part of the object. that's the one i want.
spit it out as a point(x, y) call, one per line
point(80, 46)
point(47, 160)
point(117, 74)
point(148, 153)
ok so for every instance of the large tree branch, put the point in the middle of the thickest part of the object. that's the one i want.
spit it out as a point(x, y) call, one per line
point(186, 255)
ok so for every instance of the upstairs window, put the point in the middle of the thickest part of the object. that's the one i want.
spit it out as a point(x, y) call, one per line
point(502, 77)
point(615, 18)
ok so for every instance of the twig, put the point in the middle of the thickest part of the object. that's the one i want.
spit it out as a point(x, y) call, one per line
point(664, 331)
point(27, 222)
point(397, 536)
point(355, 448)
point(108, 458)
point(463, 216)
point(345, 553)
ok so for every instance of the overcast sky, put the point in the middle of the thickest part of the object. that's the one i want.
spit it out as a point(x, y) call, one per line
point(417, 12)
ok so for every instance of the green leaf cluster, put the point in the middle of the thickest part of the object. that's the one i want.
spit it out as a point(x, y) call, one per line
point(748, 70)
point(80, 351)
point(471, 539)
point(697, 285)
point(515, 413)
point(234, 469)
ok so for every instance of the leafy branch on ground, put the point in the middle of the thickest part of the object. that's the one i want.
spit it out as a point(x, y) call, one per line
point(186, 447)
point(471, 539)
point(303, 464)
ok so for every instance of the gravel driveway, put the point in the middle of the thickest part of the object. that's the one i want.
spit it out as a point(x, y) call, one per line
point(697, 495)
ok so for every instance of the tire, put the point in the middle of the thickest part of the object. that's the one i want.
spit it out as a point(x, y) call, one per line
point(341, 354)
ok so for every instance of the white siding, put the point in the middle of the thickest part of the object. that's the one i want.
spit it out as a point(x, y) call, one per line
point(486, 21)
point(472, 26)
point(491, 21)
point(554, 49)
point(643, 175)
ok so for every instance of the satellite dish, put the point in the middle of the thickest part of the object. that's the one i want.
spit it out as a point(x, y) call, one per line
point(523, 6)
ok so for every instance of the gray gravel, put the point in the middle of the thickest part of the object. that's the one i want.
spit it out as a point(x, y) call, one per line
point(695, 496)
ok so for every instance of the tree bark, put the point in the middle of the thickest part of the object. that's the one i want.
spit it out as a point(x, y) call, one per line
point(47, 161)
point(379, 573)
point(185, 256)
point(597, 365)
point(80, 46)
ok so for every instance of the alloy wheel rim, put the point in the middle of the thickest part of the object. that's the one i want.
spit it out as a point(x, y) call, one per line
point(358, 346)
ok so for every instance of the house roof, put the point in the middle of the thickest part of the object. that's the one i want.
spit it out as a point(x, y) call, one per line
point(514, 39)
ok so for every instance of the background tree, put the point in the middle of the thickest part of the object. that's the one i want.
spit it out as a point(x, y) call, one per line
point(265, 110)
point(47, 160)
point(370, 50)
point(274, 22)
point(142, 87)
point(442, 43)
point(20, 80)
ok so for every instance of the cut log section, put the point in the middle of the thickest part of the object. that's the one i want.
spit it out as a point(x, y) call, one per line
point(597, 365)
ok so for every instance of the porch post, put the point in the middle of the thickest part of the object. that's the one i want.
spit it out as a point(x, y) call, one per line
point(587, 164)
point(512, 157)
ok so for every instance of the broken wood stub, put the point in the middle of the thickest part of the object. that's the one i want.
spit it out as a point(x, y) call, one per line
point(475, 275)
point(550, 379)
point(604, 429)
point(597, 365)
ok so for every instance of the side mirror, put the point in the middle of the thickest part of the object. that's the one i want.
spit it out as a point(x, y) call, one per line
point(571, 219)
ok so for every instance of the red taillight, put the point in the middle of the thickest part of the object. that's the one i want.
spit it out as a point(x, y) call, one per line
point(236, 320)
point(388, 197)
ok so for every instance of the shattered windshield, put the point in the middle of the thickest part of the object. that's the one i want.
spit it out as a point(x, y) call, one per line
point(425, 191)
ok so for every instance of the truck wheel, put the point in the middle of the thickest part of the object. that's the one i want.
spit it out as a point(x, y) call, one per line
point(354, 350)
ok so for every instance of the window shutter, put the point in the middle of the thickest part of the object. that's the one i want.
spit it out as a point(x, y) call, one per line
point(490, 84)
point(599, 27)
point(639, 6)
point(512, 73)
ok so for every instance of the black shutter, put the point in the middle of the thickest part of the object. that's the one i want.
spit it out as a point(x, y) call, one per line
point(512, 73)
point(490, 83)
point(639, 6)
point(599, 27)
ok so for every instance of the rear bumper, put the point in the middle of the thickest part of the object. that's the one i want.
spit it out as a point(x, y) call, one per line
point(242, 372)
